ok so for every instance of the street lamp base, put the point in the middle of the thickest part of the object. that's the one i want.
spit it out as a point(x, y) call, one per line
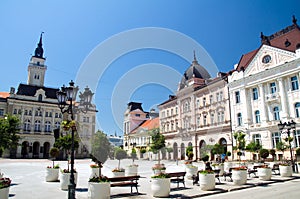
point(71, 191)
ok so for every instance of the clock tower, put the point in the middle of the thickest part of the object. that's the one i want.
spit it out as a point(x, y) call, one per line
point(37, 67)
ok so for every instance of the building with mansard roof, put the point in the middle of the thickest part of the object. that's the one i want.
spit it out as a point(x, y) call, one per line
point(198, 115)
point(264, 89)
point(36, 105)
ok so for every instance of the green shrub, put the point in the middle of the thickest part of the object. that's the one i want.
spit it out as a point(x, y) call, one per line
point(264, 153)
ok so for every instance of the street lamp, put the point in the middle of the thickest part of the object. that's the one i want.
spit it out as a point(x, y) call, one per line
point(290, 127)
point(66, 97)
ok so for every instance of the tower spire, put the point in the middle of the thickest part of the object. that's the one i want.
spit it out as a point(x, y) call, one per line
point(294, 20)
point(39, 49)
point(195, 59)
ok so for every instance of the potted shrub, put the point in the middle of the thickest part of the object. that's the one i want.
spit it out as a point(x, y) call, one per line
point(205, 158)
point(160, 185)
point(119, 155)
point(157, 143)
point(99, 187)
point(142, 152)
point(64, 178)
point(94, 170)
point(158, 168)
point(4, 187)
point(239, 175)
point(53, 172)
point(285, 170)
point(189, 152)
point(273, 153)
point(132, 169)
point(207, 180)
point(264, 172)
point(240, 143)
point(191, 170)
point(263, 153)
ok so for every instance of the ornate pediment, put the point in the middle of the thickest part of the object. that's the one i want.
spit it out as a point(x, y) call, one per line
point(268, 57)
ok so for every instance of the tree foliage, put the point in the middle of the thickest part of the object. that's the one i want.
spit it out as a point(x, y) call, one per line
point(281, 146)
point(9, 127)
point(264, 153)
point(253, 147)
point(54, 153)
point(100, 149)
point(120, 154)
point(189, 152)
point(158, 141)
point(218, 149)
point(65, 142)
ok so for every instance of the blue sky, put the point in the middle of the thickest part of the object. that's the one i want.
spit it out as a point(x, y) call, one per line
point(75, 29)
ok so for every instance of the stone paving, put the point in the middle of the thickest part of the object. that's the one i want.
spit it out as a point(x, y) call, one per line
point(28, 178)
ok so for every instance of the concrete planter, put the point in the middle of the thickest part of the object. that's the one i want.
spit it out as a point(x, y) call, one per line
point(4, 193)
point(52, 175)
point(160, 187)
point(285, 171)
point(239, 177)
point(207, 181)
point(64, 179)
point(99, 190)
point(264, 173)
point(190, 171)
point(131, 170)
point(118, 173)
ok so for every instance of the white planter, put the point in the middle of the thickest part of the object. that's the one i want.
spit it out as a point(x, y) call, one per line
point(190, 171)
point(52, 175)
point(99, 190)
point(94, 172)
point(239, 177)
point(219, 167)
point(285, 171)
point(4, 193)
point(118, 174)
point(64, 179)
point(131, 170)
point(160, 187)
point(207, 181)
point(264, 173)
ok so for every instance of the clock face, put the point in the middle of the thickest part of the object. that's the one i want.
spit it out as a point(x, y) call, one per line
point(266, 59)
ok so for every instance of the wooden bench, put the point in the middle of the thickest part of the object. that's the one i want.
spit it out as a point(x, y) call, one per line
point(177, 177)
point(228, 174)
point(125, 181)
point(253, 171)
point(275, 168)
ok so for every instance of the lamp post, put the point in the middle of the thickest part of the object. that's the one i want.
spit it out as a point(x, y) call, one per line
point(66, 97)
point(290, 127)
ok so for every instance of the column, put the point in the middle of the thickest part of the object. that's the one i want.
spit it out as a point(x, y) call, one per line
point(263, 114)
point(245, 114)
point(283, 99)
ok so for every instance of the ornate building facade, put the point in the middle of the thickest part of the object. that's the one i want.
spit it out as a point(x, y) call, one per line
point(264, 88)
point(198, 115)
point(36, 105)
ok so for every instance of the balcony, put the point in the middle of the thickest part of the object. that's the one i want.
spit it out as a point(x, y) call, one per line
point(272, 97)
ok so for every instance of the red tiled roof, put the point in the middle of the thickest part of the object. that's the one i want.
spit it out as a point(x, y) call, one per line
point(148, 124)
point(286, 39)
point(4, 94)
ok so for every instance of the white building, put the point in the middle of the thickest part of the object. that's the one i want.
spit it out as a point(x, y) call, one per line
point(264, 88)
point(36, 105)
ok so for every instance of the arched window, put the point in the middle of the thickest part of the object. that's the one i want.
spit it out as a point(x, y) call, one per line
point(27, 125)
point(40, 98)
point(37, 126)
point(276, 113)
point(297, 109)
point(47, 126)
point(257, 116)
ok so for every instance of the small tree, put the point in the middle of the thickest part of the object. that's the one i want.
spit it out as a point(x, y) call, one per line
point(100, 149)
point(218, 149)
point(273, 153)
point(253, 147)
point(158, 142)
point(240, 142)
point(54, 153)
point(119, 155)
point(133, 155)
point(264, 153)
point(142, 151)
point(189, 152)
point(65, 143)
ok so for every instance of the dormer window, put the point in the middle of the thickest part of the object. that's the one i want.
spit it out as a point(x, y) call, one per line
point(40, 98)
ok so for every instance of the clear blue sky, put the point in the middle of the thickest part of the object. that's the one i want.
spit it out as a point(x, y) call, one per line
point(225, 29)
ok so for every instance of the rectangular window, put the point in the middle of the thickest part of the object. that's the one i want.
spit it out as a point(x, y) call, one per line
point(255, 93)
point(212, 118)
point(204, 119)
point(294, 81)
point(239, 119)
point(1, 112)
point(256, 138)
point(297, 138)
point(139, 115)
point(237, 97)
point(204, 101)
point(198, 121)
point(275, 139)
point(197, 103)
point(273, 87)
point(211, 100)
